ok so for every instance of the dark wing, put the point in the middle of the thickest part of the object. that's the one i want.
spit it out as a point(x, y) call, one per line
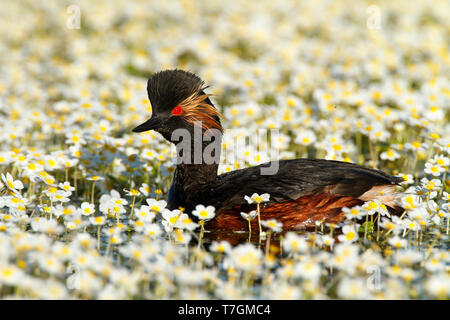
point(297, 178)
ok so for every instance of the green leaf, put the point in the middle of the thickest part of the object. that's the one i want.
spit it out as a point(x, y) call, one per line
point(370, 227)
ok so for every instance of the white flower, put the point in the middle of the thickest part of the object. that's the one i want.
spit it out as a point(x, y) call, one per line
point(398, 242)
point(305, 137)
point(376, 206)
point(181, 236)
point(390, 155)
point(112, 203)
point(431, 185)
point(420, 214)
point(132, 192)
point(354, 212)
point(434, 169)
point(145, 189)
point(144, 213)
point(185, 222)
point(273, 225)
point(441, 160)
point(99, 220)
point(153, 230)
point(438, 285)
point(353, 289)
point(32, 169)
point(410, 202)
point(10, 274)
point(249, 216)
point(434, 264)
point(308, 270)
point(350, 234)
point(294, 243)
point(325, 240)
point(61, 196)
point(407, 257)
point(171, 217)
point(46, 177)
point(220, 247)
point(204, 213)
point(93, 177)
point(256, 198)
point(87, 209)
point(245, 257)
point(66, 186)
point(407, 178)
point(12, 184)
point(156, 205)
point(410, 224)
point(395, 224)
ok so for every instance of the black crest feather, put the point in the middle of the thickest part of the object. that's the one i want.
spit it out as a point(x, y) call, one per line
point(168, 88)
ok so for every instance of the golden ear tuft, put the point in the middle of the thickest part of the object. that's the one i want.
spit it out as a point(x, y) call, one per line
point(195, 109)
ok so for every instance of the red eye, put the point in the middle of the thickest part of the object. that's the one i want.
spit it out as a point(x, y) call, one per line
point(177, 111)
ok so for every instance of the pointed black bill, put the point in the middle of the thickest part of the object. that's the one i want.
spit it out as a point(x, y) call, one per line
point(150, 124)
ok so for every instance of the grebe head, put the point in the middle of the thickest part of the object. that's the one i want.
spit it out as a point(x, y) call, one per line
point(179, 102)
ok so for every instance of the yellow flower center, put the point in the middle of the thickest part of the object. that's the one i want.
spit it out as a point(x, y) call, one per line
point(173, 220)
point(373, 205)
point(416, 144)
point(7, 272)
point(187, 220)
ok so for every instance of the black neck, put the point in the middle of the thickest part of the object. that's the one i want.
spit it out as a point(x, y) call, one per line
point(195, 171)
